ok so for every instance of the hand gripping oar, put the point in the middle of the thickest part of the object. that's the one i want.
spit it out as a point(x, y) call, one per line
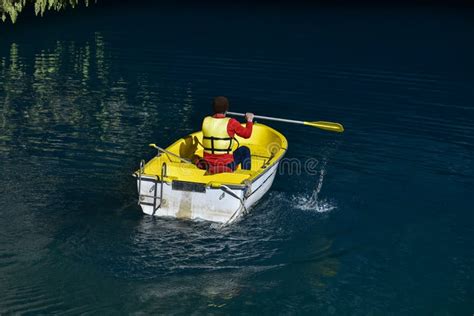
point(328, 126)
point(170, 153)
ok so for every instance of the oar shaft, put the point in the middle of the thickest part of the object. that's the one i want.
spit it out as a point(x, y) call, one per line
point(269, 118)
point(328, 126)
point(170, 153)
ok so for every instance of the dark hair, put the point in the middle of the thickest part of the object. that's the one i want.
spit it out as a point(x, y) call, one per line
point(220, 105)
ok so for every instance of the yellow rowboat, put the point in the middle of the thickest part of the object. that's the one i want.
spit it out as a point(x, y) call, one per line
point(169, 185)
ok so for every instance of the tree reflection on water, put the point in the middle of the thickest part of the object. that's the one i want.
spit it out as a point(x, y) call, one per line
point(77, 88)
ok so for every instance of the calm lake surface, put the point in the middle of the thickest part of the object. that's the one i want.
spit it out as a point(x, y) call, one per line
point(386, 226)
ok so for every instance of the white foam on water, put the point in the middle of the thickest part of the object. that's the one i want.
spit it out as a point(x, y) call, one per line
point(310, 204)
point(313, 202)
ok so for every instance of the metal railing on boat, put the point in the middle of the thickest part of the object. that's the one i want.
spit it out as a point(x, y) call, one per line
point(141, 197)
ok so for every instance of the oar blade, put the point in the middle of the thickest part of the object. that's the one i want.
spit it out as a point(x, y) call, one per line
point(328, 126)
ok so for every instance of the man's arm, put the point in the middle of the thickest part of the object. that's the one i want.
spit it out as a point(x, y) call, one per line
point(234, 127)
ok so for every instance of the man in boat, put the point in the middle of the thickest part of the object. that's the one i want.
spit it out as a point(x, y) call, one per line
point(218, 138)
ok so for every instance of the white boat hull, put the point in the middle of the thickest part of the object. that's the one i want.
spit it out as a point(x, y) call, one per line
point(194, 201)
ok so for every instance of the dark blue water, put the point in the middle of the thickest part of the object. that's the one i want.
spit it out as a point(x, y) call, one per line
point(384, 227)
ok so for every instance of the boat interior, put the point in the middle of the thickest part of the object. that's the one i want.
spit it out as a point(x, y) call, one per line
point(266, 146)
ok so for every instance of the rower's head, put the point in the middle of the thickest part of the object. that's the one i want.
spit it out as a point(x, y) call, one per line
point(220, 105)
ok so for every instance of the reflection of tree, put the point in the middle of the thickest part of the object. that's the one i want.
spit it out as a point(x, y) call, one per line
point(14, 80)
point(76, 87)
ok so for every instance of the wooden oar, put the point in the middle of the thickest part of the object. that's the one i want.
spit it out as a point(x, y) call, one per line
point(328, 126)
